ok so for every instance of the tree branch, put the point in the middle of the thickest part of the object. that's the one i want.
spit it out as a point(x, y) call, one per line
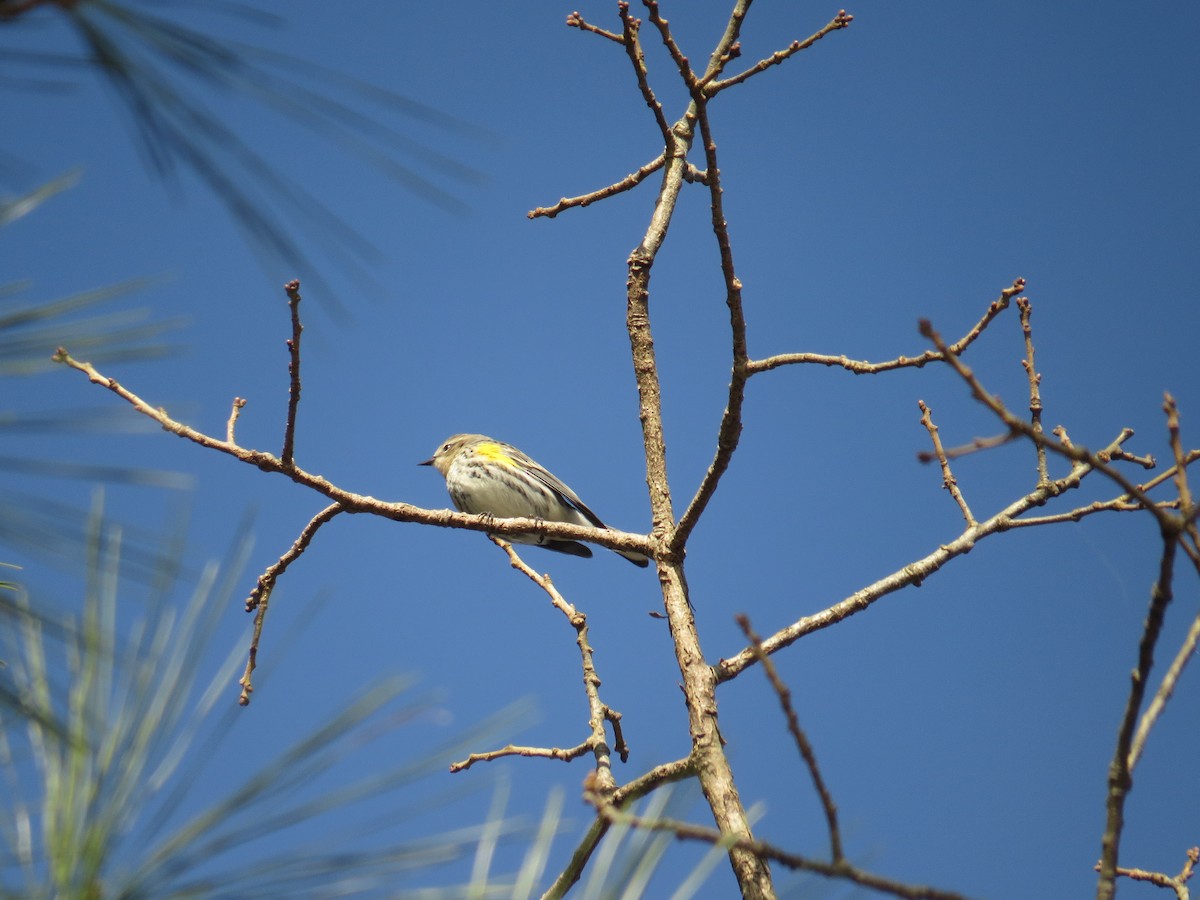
point(864, 367)
point(1119, 776)
point(840, 21)
point(912, 574)
point(798, 735)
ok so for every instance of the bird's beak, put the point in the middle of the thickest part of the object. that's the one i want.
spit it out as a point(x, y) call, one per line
point(428, 462)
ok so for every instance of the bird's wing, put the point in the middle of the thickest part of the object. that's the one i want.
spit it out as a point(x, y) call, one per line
point(548, 479)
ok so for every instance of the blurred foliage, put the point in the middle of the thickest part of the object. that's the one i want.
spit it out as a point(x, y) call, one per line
point(108, 724)
point(30, 330)
point(177, 83)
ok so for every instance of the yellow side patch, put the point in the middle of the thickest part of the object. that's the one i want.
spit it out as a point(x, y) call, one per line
point(494, 453)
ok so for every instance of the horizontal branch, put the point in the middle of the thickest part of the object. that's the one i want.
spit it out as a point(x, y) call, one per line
point(1118, 504)
point(912, 574)
point(1078, 455)
point(863, 367)
point(360, 503)
point(840, 21)
point(513, 750)
point(576, 20)
point(632, 180)
point(764, 851)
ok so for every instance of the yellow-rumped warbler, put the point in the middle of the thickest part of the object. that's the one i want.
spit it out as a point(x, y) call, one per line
point(489, 476)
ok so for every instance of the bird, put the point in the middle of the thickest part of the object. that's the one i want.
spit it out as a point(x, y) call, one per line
point(484, 475)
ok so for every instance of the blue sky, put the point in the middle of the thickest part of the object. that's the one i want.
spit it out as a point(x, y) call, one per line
point(910, 166)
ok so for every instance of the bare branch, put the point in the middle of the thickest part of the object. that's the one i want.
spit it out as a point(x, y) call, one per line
point(231, 426)
point(1146, 462)
point(712, 765)
point(1165, 689)
point(513, 750)
point(598, 711)
point(633, 48)
point(668, 39)
point(575, 20)
point(912, 574)
point(798, 735)
point(730, 430)
point(287, 457)
point(763, 850)
point(1186, 506)
point(1119, 776)
point(1177, 883)
point(1015, 424)
point(975, 446)
point(666, 773)
point(632, 180)
point(1118, 504)
point(840, 21)
point(1035, 380)
point(949, 482)
point(862, 367)
point(260, 597)
point(360, 503)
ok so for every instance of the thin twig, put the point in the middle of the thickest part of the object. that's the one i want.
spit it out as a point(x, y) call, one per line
point(949, 482)
point(361, 503)
point(579, 859)
point(730, 430)
point(1119, 776)
point(598, 711)
point(633, 48)
point(765, 851)
point(802, 743)
point(630, 181)
point(614, 718)
point(1035, 381)
point(911, 574)
point(513, 750)
point(660, 775)
point(287, 457)
point(1118, 504)
point(1165, 689)
point(575, 20)
point(1186, 507)
point(231, 426)
point(863, 367)
point(1177, 883)
point(1016, 424)
point(260, 597)
point(668, 39)
point(1146, 462)
point(840, 21)
point(975, 446)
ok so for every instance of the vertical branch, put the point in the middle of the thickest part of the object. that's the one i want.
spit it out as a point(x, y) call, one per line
point(1187, 510)
point(730, 430)
point(1035, 396)
point(798, 735)
point(631, 28)
point(699, 680)
point(260, 597)
point(293, 345)
point(1119, 777)
point(231, 424)
point(1165, 689)
point(949, 482)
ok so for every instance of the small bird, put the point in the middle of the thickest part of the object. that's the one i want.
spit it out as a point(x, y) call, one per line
point(488, 476)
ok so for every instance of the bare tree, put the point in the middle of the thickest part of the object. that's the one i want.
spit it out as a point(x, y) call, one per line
point(689, 158)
